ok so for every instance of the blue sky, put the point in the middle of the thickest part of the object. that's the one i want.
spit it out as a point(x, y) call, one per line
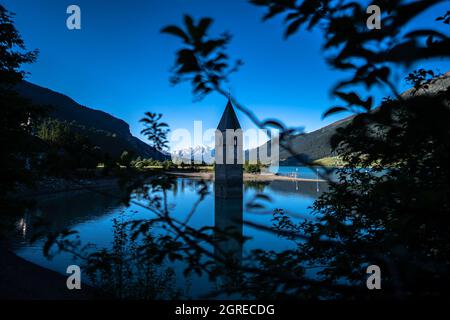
point(119, 62)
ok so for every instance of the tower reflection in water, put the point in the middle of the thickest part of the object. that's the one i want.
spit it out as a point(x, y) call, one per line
point(228, 223)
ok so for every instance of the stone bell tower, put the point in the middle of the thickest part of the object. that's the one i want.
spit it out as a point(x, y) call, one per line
point(229, 155)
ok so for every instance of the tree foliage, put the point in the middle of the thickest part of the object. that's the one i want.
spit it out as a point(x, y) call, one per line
point(202, 59)
point(16, 114)
point(155, 130)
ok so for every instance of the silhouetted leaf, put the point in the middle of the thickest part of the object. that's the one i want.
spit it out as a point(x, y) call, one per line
point(203, 26)
point(334, 110)
point(273, 123)
point(353, 99)
point(174, 30)
point(293, 27)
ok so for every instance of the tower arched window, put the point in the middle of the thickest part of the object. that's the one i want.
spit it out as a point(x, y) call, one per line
point(235, 141)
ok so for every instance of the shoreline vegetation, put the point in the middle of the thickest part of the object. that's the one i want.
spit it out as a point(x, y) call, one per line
point(334, 161)
point(49, 185)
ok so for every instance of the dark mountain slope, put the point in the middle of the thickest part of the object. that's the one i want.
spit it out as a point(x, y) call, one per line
point(108, 132)
point(309, 146)
point(316, 144)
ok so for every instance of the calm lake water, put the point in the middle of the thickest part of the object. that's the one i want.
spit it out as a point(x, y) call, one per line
point(92, 216)
point(305, 172)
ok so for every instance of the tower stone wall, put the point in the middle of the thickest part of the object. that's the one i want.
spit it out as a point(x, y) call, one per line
point(229, 156)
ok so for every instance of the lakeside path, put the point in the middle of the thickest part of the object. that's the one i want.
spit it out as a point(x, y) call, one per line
point(247, 176)
point(24, 280)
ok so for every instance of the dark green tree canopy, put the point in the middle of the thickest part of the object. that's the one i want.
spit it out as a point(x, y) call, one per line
point(16, 114)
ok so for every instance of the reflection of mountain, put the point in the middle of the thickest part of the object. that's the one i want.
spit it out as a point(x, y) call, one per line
point(198, 154)
point(63, 211)
point(108, 132)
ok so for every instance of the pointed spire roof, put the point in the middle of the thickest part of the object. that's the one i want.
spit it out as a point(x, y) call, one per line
point(229, 119)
